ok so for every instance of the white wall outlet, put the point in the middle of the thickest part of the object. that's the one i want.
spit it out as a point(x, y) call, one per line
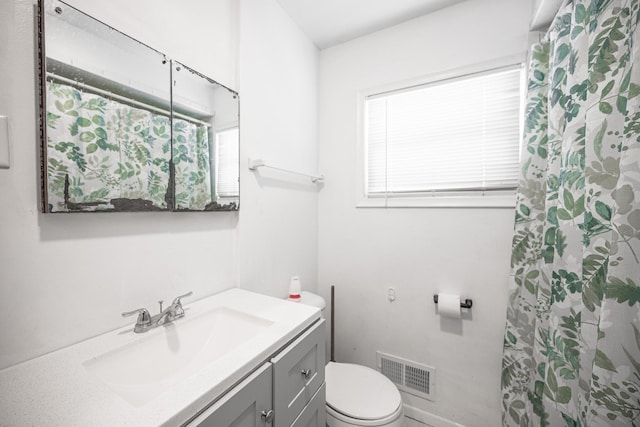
point(4, 142)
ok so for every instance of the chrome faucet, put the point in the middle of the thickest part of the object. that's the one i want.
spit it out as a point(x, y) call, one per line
point(146, 321)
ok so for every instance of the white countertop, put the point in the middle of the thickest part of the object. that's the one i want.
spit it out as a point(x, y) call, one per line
point(57, 390)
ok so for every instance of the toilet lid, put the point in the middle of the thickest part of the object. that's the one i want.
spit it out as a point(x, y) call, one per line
point(360, 392)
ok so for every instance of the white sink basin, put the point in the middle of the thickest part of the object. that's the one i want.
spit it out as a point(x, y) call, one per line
point(162, 377)
point(145, 368)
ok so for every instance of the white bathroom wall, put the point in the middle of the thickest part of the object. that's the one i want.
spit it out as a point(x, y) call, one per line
point(278, 233)
point(67, 277)
point(418, 251)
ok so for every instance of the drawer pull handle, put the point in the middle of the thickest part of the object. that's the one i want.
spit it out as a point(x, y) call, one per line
point(306, 373)
point(267, 416)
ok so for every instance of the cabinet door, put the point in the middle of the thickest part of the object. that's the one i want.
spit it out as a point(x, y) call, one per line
point(298, 372)
point(314, 414)
point(244, 405)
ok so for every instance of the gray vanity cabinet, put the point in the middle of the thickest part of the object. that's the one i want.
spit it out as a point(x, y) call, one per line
point(249, 404)
point(287, 391)
point(315, 414)
point(298, 375)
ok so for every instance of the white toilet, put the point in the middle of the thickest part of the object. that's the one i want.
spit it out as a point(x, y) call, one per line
point(357, 395)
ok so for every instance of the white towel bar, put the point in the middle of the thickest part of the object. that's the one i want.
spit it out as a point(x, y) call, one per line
point(254, 164)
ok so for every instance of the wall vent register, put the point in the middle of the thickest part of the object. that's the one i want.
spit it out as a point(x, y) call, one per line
point(408, 376)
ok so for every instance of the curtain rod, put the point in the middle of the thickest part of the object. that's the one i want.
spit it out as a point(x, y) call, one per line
point(124, 99)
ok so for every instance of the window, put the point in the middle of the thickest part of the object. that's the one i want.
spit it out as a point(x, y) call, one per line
point(227, 163)
point(457, 138)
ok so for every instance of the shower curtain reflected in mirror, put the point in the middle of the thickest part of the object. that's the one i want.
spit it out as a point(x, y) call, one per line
point(192, 165)
point(572, 340)
point(106, 155)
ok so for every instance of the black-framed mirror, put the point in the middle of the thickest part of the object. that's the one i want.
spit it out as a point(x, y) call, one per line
point(124, 128)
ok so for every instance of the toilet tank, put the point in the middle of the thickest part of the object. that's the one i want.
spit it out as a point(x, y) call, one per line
point(313, 300)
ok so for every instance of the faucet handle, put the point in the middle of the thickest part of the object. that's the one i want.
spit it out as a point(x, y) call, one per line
point(177, 299)
point(144, 318)
point(177, 304)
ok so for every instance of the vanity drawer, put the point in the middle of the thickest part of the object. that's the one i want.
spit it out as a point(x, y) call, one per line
point(298, 373)
point(242, 406)
point(314, 414)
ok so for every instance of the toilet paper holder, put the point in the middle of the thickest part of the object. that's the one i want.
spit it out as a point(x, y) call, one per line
point(466, 303)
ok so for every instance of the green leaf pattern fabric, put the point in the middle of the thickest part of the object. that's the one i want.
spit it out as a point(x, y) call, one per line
point(100, 150)
point(572, 339)
point(192, 166)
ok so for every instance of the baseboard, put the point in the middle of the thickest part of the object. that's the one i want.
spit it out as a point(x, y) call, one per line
point(428, 418)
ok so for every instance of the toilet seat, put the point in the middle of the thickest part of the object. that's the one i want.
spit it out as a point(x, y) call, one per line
point(361, 396)
point(342, 420)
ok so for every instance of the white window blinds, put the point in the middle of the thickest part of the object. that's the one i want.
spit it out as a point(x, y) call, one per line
point(457, 135)
point(228, 163)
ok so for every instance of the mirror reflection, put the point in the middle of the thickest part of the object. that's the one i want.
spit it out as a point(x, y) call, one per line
point(205, 142)
point(115, 140)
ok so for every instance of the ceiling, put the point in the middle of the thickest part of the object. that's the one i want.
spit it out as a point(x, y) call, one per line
point(330, 22)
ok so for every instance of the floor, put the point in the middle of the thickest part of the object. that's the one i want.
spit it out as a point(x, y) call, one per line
point(410, 422)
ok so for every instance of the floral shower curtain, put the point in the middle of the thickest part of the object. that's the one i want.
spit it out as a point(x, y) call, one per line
point(572, 340)
point(193, 170)
point(100, 151)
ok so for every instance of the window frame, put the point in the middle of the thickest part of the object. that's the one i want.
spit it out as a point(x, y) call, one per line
point(470, 199)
